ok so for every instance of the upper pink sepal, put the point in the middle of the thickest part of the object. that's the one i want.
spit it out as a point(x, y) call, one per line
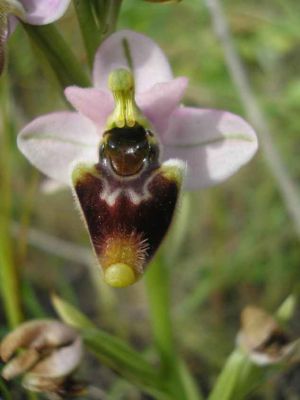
point(53, 142)
point(148, 62)
point(215, 144)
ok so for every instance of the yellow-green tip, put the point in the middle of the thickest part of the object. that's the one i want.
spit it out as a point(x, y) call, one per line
point(120, 80)
point(119, 275)
point(126, 112)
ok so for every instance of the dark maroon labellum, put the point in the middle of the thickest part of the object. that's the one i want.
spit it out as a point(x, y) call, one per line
point(128, 201)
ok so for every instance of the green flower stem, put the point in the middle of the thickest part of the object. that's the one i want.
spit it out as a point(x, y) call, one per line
point(8, 273)
point(9, 279)
point(188, 382)
point(89, 26)
point(237, 378)
point(120, 357)
point(100, 9)
point(59, 55)
point(97, 20)
point(113, 352)
point(113, 10)
point(32, 305)
point(25, 216)
point(239, 375)
point(4, 391)
point(159, 304)
point(174, 371)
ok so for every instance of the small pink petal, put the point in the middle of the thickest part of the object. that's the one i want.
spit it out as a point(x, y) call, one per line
point(95, 104)
point(42, 12)
point(149, 64)
point(215, 144)
point(54, 141)
point(161, 100)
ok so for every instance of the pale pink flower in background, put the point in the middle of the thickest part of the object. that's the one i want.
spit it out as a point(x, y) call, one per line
point(35, 12)
point(213, 143)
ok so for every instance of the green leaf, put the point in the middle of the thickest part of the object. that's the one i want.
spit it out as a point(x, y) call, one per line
point(287, 309)
point(70, 315)
point(59, 55)
point(113, 352)
point(237, 378)
point(89, 26)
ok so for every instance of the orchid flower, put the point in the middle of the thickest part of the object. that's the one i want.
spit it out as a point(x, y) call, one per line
point(127, 147)
point(34, 12)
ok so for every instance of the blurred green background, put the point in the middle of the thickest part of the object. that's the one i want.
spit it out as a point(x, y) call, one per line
point(231, 245)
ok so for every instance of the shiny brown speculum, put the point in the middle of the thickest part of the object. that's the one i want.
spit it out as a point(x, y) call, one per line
point(128, 149)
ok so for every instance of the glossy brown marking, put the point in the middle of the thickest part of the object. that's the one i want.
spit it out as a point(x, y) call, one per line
point(143, 224)
point(127, 149)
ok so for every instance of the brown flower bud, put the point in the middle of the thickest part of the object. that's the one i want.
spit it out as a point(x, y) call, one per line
point(262, 337)
point(45, 352)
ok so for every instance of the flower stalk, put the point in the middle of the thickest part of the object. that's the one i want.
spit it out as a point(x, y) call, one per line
point(8, 270)
point(90, 27)
point(113, 10)
point(113, 352)
point(5, 392)
point(236, 379)
point(180, 383)
point(59, 55)
point(157, 284)
point(97, 20)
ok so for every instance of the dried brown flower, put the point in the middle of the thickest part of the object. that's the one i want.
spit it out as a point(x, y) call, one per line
point(45, 352)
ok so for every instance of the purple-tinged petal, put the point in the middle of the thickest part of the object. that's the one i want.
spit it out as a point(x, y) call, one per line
point(42, 12)
point(148, 62)
point(161, 100)
point(95, 104)
point(215, 144)
point(54, 141)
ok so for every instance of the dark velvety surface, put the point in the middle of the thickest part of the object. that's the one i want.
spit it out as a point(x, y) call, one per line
point(149, 219)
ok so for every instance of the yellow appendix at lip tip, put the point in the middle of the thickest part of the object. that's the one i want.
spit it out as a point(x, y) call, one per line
point(119, 275)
